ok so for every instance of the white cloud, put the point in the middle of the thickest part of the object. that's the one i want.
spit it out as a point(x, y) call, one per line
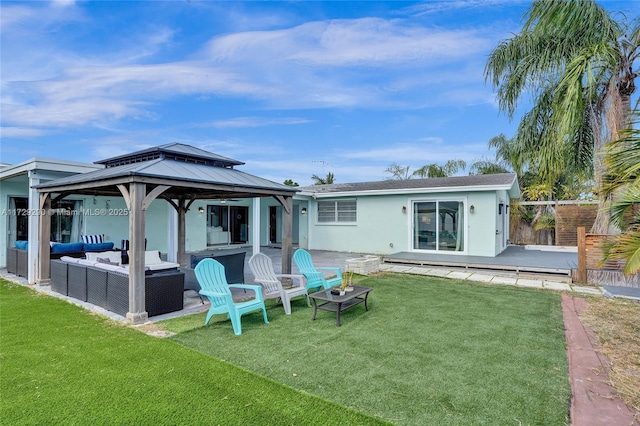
point(258, 122)
point(20, 132)
point(428, 8)
point(368, 62)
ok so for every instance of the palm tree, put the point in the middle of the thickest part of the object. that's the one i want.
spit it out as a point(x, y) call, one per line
point(323, 181)
point(623, 162)
point(434, 170)
point(398, 172)
point(486, 167)
point(577, 61)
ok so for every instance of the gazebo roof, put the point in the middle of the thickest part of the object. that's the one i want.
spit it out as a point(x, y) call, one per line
point(175, 151)
point(186, 169)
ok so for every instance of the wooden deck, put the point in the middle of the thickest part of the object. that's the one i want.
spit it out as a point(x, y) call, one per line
point(514, 259)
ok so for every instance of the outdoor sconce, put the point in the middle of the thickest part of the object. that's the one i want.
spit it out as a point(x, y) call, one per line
point(500, 207)
point(200, 210)
point(472, 208)
point(404, 209)
point(303, 211)
point(107, 205)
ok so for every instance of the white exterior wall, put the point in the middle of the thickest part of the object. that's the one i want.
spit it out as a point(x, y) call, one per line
point(383, 228)
point(380, 224)
point(481, 223)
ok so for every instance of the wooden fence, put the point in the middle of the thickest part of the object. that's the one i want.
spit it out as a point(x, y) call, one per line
point(591, 267)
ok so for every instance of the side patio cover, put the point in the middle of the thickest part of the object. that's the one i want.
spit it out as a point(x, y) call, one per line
point(177, 173)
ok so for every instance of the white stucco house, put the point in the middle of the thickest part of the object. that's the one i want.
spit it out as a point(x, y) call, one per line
point(466, 215)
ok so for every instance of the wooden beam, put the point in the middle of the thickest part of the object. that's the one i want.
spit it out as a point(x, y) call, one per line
point(285, 203)
point(287, 232)
point(182, 230)
point(44, 237)
point(153, 194)
point(125, 194)
point(137, 310)
point(582, 255)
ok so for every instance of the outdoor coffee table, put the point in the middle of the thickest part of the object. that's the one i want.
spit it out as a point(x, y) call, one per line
point(326, 301)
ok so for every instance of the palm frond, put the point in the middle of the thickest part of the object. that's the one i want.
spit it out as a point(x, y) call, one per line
point(625, 247)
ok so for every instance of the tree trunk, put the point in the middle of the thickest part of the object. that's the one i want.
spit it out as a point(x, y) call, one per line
point(618, 115)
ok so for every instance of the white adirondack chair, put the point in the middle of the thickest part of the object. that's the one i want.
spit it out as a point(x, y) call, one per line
point(262, 269)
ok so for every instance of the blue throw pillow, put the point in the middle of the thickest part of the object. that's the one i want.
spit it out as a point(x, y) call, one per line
point(98, 247)
point(22, 245)
point(66, 247)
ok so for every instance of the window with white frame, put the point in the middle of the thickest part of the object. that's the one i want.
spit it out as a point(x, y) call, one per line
point(343, 211)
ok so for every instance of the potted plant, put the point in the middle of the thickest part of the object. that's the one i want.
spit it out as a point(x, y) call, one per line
point(346, 282)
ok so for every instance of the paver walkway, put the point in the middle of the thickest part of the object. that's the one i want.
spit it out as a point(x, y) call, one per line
point(593, 401)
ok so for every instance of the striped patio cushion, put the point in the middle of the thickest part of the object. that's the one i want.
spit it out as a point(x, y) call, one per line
point(92, 239)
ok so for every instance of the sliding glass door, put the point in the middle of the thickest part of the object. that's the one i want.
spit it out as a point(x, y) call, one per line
point(438, 225)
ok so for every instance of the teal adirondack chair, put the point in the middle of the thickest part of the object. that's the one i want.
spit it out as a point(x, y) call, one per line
point(315, 277)
point(213, 283)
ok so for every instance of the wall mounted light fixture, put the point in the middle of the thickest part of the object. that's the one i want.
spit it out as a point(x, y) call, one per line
point(106, 204)
point(303, 211)
point(404, 209)
point(200, 210)
point(472, 208)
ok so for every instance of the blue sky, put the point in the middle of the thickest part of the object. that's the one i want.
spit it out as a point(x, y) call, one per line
point(290, 88)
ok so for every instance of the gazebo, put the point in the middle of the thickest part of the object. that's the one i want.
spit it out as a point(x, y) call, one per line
point(177, 173)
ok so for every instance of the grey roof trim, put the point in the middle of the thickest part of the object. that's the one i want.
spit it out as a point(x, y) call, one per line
point(46, 164)
point(176, 148)
point(504, 181)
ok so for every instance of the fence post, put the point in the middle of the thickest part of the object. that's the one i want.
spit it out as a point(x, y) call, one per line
point(582, 255)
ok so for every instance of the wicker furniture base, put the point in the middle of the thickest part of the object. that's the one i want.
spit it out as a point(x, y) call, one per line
point(12, 260)
point(17, 261)
point(110, 290)
point(97, 287)
point(233, 267)
point(59, 278)
point(163, 293)
point(77, 281)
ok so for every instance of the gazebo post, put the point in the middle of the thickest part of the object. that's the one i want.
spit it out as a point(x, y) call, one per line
point(137, 313)
point(44, 238)
point(287, 232)
point(182, 232)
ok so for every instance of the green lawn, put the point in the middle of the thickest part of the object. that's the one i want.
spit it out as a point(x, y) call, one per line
point(60, 365)
point(429, 351)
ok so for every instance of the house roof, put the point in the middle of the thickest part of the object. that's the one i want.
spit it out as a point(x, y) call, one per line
point(504, 181)
point(188, 170)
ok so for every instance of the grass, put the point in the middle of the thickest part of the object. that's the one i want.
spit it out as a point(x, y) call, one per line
point(429, 351)
point(63, 365)
point(616, 322)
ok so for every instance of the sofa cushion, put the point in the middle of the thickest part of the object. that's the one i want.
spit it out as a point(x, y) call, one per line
point(113, 256)
point(86, 262)
point(105, 260)
point(98, 246)
point(66, 247)
point(22, 245)
point(152, 257)
point(92, 239)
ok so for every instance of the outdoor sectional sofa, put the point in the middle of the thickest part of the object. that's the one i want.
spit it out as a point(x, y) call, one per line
point(107, 285)
point(18, 257)
point(232, 260)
